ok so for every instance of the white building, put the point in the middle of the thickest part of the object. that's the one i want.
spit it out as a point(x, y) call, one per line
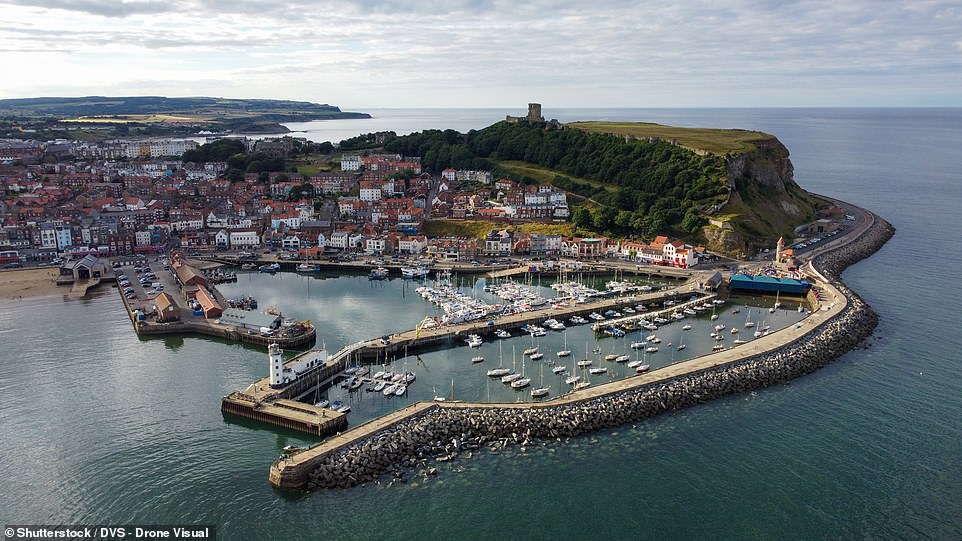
point(351, 163)
point(244, 238)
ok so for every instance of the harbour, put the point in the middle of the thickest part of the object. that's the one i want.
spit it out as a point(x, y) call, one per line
point(858, 448)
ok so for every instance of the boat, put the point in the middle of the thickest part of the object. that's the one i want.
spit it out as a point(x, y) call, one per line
point(559, 369)
point(379, 386)
point(474, 341)
point(642, 368)
point(776, 306)
point(651, 349)
point(401, 389)
point(582, 384)
point(734, 330)
point(687, 327)
point(608, 357)
point(306, 267)
point(323, 403)
point(565, 352)
point(739, 342)
point(501, 333)
point(415, 273)
point(389, 390)
point(717, 347)
point(344, 408)
point(578, 320)
point(379, 273)
point(596, 316)
point(587, 362)
point(501, 370)
point(720, 326)
point(409, 377)
point(537, 356)
point(437, 397)
point(748, 321)
point(355, 384)
point(637, 345)
point(622, 358)
point(477, 359)
point(681, 342)
point(270, 268)
point(597, 370)
point(801, 308)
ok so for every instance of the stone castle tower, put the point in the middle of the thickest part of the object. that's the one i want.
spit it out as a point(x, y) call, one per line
point(534, 112)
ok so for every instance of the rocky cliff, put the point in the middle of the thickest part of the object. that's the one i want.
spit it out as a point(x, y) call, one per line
point(764, 204)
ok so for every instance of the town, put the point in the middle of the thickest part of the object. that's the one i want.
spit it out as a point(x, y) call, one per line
point(64, 200)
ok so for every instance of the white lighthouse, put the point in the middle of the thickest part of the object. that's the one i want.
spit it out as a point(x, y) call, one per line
point(779, 248)
point(277, 365)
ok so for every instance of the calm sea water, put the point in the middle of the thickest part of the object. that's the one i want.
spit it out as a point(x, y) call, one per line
point(102, 427)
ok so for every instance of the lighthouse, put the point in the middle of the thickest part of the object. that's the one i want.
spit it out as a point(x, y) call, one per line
point(779, 247)
point(277, 365)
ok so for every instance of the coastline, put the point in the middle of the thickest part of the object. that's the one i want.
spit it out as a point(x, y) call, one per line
point(18, 284)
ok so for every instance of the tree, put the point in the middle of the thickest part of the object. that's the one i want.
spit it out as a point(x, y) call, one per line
point(582, 218)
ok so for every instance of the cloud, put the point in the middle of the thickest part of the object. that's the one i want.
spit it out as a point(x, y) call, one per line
point(404, 52)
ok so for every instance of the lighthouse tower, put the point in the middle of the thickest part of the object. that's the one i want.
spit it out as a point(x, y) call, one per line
point(779, 248)
point(277, 365)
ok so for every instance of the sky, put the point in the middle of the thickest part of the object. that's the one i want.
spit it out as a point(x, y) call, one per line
point(490, 53)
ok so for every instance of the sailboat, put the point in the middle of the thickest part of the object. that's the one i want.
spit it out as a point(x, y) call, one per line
point(500, 370)
point(748, 320)
point(512, 375)
point(565, 352)
point(541, 390)
point(681, 341)
point(777, 305)
point(523, 381)
point(583, 383)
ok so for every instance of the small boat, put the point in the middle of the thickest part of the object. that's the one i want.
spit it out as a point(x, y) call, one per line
point(734, 330)
point(559, 369)
point(291, 449)
point(582, 384)
point(537, 356)
point(651, 349)
point(717, 347)
point(687, 327)
point(343, 409)
point(323, 403)
point(801, 308)
point(642, 368)
point(379, 273)
point(415, 273)
point(571, 380)
point(637, 345)
point(587, 362)
point(622, 358)
point(477, 359)
point(520, 383)
point(530, 351)
point(389, 390)
point(355, 385)
point(539, 392)
point(738, 342)
point(379, 386)
point(597, 370)
point(401, 389)
point(474, 341)
point(498, 372)
point(501, 333)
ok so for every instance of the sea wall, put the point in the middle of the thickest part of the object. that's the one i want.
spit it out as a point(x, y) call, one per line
point(445, 431)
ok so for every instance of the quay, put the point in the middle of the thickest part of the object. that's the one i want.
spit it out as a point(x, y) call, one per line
point(838, 321)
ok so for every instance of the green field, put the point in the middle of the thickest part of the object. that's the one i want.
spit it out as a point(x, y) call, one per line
point(478, 229)
point(717, 141)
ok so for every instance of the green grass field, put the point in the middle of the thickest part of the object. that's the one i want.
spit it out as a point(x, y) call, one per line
point(717, 141)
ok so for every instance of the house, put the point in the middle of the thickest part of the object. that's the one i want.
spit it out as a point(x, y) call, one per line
point(166, 308)
point(208, 303)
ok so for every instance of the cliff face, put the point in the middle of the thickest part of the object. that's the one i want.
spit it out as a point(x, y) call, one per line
point(765, 202)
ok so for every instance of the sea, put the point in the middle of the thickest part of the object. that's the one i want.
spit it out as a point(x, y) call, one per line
point(101, 427)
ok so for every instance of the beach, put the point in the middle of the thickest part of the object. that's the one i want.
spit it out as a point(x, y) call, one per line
point(22, 283)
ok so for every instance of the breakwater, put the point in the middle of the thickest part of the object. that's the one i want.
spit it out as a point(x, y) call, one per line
point(429, 432)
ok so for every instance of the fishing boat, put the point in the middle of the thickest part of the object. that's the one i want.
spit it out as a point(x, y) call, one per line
point(306, 267)
point(474, 341)
point(501, 333)
point(414, 273)
point(379, 273)
point(477, 359)
point(270, 268)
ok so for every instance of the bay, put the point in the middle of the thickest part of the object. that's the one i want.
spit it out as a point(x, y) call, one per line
point(100, 426)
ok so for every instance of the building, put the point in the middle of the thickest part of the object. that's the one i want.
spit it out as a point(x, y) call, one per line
point(208, 303)
point(166, 308)
point(250, 319)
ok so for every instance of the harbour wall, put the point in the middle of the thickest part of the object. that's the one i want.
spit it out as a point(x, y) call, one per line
point(425, 432)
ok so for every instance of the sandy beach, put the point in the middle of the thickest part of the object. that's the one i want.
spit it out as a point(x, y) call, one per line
point(18, 283)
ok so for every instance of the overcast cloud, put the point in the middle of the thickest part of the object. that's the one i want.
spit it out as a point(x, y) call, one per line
point(464, 53)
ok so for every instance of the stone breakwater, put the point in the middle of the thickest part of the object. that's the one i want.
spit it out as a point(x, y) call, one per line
point(445, 432)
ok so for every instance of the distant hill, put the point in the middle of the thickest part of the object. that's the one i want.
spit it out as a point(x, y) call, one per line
point(159, 105)
point(93, 117)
